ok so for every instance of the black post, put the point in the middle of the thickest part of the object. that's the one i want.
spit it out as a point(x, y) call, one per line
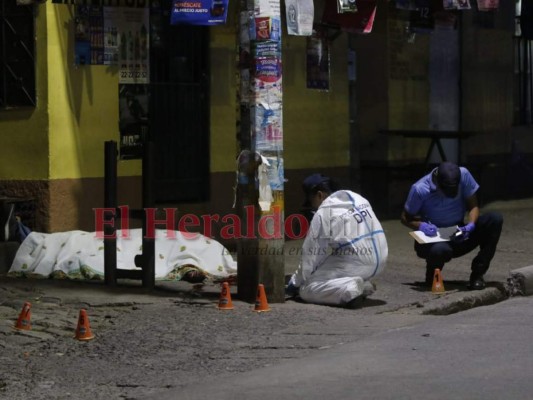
point(110, 201)
point(148, 201)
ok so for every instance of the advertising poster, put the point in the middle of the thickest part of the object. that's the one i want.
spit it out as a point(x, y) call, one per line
point(88, 35)
point(199, 12)
point(113, 36)
point(133, 119)
point(128, 42)
point(318, 61)
point(265, 28)
point(265, 35)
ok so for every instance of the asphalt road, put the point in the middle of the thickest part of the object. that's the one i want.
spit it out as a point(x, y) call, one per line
point(483, 353)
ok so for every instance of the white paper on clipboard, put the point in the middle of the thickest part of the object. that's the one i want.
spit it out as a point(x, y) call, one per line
point(443, 235)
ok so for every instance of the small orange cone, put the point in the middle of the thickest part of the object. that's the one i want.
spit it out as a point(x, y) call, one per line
point(261, 303)
point(83, 330)
point(438, 285)
point(23, 322)
point(224, 303)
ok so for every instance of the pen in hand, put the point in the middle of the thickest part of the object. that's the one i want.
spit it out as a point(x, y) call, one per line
point(428, 229)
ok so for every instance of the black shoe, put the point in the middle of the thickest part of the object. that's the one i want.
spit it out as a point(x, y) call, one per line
point(477, 283)
point(356, 302)
point(429, 278)
point(291, 291)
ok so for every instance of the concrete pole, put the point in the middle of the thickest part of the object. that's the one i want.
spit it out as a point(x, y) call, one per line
point(260, 195)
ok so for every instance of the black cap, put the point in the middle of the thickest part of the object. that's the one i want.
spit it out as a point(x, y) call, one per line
point(448, 177)
point(313, 183)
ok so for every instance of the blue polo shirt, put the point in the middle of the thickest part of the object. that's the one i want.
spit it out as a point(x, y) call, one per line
point(428, 202)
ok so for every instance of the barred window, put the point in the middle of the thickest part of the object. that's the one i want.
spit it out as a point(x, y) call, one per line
point(17, 61)
point(523, 63)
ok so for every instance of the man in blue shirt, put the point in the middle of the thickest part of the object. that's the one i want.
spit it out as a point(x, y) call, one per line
point(443, 198)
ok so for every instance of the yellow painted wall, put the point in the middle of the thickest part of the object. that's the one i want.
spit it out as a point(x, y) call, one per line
point(223, 95)
point(24, 132)
point(316, 123)
point(83, 106)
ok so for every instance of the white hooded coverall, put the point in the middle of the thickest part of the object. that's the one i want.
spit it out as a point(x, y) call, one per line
point(344, 247)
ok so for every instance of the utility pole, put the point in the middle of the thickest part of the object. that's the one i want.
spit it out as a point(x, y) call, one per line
point(260, 195)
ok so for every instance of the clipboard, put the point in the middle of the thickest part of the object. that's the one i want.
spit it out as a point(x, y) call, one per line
point(443, 235)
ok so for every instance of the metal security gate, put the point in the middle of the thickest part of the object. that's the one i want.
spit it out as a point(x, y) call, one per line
point(179, 109)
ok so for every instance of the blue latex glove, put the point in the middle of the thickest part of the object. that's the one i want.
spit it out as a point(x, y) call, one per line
point(428, 229)
point(467, 230)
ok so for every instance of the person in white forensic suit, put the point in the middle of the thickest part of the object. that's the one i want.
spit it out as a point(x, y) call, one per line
point(344, 247)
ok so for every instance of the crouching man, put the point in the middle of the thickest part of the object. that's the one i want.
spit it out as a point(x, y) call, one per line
point(344, 248)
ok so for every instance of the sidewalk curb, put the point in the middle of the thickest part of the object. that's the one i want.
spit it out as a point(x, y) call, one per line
point(520, 281)
point(490, 295)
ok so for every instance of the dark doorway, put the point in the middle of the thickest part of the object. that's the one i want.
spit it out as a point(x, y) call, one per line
point(179, 108)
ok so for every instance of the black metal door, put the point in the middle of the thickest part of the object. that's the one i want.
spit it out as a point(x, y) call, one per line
point(179, 108)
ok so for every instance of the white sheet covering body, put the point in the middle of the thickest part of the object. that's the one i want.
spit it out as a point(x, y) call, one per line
point(344, 247)
point(80, 255)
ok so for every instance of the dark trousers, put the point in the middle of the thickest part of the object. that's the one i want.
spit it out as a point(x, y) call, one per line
point(486, 236)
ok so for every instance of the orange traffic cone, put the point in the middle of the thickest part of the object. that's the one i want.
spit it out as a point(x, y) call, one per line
point(83, 330)
point(224, 303)
point(438, 285)
point(23, 322)
point(261, 303)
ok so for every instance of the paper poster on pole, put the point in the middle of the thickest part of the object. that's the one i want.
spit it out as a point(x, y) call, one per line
point(299, 15)
point(199, 12)
point(276, 171)
point(268, 127)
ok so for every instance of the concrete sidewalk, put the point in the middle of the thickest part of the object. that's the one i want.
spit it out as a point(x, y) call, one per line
point(399, 287)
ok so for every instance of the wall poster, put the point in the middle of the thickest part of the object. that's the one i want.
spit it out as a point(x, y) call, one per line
point(318, 60)
point(88, 35)
point(199, 12)
point(133, 119)
point(114, 36)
